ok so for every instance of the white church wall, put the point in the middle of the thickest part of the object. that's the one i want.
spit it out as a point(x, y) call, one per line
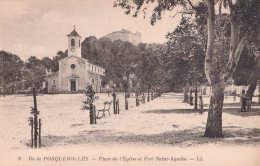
point(68, 72)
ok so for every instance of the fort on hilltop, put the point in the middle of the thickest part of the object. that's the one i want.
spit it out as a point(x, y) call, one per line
point(125, 35)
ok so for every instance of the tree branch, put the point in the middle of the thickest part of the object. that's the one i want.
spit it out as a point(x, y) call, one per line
point(181, 13)
point(211, 39)
point(233, 61)
point(235, 32)
point(192, 6)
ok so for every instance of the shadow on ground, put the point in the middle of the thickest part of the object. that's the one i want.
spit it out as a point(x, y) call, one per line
point(238, 105)
point(232, 110)
point(237, 112)
point(185, 138)
point(175, 111)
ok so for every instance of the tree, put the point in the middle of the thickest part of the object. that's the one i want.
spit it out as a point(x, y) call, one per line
point(185, 53)
point(34, 72)
point(243, 16)
point(99, 51)
point(48, 63)
point(147, 63)
point(248, 71)
point(123, 54)
point(184, 56)
point(11, 71)
point(55, 62)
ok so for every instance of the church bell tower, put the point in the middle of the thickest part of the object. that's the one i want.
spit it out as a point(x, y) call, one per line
point(74, 45)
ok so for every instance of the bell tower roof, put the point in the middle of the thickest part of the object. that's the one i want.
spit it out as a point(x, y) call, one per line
point(73, 33)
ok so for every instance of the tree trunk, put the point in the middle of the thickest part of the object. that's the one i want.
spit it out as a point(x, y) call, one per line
point(251, 89)
point(35, 119)
point(186, 90)
point(126, 102)
point(211, 39)
point(148, 97)
point(259, 94)
point(4, 90)
point(214, 121)
point(196, 98)
point(191, 97)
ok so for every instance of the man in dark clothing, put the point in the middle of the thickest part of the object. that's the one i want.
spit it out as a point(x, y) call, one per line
point(243, 99)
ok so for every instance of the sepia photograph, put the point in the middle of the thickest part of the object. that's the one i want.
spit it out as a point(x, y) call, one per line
point(129, 82)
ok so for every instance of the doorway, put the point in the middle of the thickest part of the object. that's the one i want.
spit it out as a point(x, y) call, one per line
point(73, 85)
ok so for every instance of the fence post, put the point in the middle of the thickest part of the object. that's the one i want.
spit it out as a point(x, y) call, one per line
point(136, 101)
point(114, 102)
point(91, 112)
point(95, 118)
point(40, 126)
point(117, 107)
point(31, 123)
point(126, 104)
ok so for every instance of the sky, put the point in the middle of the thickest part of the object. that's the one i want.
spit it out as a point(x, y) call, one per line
point(40, 27)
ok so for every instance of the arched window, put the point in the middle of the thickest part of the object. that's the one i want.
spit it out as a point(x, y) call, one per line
point(79, 43)
point(72, 42)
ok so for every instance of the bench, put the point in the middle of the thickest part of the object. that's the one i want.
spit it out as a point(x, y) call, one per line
point(107, 106)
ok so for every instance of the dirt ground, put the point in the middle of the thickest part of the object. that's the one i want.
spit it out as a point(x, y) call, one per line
point(163, 125)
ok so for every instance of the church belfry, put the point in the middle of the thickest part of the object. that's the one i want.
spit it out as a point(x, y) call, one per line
point(74, 45)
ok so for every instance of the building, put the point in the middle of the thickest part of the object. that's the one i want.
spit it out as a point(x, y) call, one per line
point(125, 35)
point(74, 72)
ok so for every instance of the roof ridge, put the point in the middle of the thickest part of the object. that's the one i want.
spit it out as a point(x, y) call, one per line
point(74, 33)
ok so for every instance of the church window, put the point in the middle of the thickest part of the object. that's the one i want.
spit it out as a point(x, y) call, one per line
point(72, 42)
point(72, 66)
point(92, 68)
point(79, 43)
point(93, 81)
point(95, 69)
point(53, 82)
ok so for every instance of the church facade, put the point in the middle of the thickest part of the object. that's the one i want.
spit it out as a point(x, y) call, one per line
point(75, 72)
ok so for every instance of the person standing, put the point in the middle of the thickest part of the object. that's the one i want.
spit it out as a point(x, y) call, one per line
point(243, 99)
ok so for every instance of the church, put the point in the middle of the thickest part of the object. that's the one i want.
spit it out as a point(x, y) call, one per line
point(75, 72)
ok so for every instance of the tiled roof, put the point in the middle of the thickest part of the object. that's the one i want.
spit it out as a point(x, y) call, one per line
point(74, 33)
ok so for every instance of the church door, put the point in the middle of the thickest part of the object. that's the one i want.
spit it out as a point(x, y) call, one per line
point(73, 85)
